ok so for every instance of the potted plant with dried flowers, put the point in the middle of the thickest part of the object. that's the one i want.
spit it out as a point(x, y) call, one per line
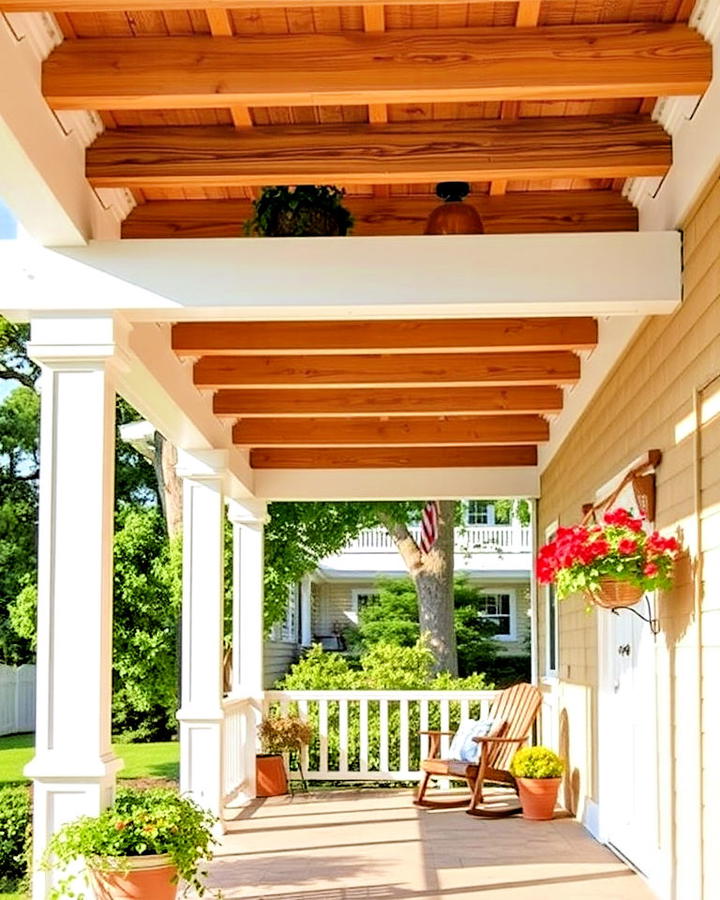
point(538, 773)
point(305, 210)
point(142, 847)
point(613, 564)
point(279, 735)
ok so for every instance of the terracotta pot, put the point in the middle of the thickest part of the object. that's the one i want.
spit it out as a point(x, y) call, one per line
point(271, 776)
point(538, 796)
point(147, 878)
point(613, 594)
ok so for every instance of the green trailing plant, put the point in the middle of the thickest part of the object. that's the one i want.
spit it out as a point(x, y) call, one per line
point(139, 823)
point(537, 762)
point(301, 211)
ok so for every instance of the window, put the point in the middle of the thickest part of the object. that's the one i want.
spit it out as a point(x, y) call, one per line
point(362, 596)
point(290, 625)
point(500, 608)
point(480, 513)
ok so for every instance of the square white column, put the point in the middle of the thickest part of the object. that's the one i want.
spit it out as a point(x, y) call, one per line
point(74, 766)
point(201, 712)
point(306, 611)
point(248, 519)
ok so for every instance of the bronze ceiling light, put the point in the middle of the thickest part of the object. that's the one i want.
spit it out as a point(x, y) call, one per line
point(453, 216)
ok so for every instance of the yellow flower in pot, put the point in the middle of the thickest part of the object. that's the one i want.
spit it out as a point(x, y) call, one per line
point(538, 772)
point(279, 735)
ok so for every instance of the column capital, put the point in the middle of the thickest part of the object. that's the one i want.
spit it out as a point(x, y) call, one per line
point(202, 465)
point(248, 512)
point(78, 341)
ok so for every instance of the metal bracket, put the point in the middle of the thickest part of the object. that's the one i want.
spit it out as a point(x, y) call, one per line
point(649, 618)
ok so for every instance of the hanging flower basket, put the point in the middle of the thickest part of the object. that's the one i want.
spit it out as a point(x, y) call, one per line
point(611, 594)
point(613, 564)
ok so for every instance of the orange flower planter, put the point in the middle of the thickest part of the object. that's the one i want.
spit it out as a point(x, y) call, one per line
point(271, 776)
point(147, 878)
point(538, 797)
point(613, 594)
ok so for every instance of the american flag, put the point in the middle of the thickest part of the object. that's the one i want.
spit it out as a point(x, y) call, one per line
point(429, 526)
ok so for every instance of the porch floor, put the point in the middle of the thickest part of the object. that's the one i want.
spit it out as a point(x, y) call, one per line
point(373, 845)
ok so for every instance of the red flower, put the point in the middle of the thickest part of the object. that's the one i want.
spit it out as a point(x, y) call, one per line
point(634, 525)
point(617, 517)
point(651, 569)
point(627, 547)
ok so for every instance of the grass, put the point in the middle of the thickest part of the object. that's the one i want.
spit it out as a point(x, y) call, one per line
point(142, 761)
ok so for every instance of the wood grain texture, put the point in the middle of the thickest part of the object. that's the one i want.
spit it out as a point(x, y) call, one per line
point(515, 213)
point(545, 367)
point(395, 432)
point(562, 147)
point(390, 336)
point(379, 401)
point(421, 66)
point(393, 458)
point(247, 6)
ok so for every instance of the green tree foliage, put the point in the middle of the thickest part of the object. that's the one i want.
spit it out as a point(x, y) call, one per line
point(392, 618)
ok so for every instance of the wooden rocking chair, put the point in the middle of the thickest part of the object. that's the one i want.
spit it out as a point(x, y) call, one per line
point(513, 712)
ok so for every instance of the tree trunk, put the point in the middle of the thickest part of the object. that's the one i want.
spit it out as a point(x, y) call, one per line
point(433, 576)
point(169, 484)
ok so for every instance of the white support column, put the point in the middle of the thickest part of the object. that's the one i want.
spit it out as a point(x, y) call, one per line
point(74, 766)
point(248, 519)
point(306, 611)
point(201, 714)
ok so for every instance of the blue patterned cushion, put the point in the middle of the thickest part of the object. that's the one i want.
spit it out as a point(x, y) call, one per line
point(463, 746)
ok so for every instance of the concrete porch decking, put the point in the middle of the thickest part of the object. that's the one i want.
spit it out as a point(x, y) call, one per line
point(374, 845)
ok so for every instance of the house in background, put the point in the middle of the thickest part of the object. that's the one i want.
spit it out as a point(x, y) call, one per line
point(495, 556)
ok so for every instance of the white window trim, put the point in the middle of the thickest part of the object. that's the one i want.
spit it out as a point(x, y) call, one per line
point(355, 594)
point(512, 593)
point(551, 675)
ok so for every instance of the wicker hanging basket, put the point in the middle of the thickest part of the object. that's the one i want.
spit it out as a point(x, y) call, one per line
point(612, 594)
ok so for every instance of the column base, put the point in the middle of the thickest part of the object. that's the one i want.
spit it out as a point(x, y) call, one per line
point(201, 761)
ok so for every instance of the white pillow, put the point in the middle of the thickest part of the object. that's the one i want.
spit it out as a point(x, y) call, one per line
point(463, 746)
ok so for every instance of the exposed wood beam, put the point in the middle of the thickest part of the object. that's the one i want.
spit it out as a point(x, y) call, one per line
point(398, 336)
point(544, 367)
point(560, 62)
point(514, 213)
point(168, 5)
point(393, 458)
point(221, 26)
point(338, 402)
point(468, 431)
point(572, 146)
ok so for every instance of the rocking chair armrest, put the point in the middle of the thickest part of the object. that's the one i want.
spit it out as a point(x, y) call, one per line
point(450, 733)
point(499, 740)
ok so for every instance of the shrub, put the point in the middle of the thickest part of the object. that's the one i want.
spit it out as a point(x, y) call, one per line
point(15, 837)
point(537, 762)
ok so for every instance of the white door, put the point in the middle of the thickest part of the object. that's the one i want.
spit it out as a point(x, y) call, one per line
point(628, 738)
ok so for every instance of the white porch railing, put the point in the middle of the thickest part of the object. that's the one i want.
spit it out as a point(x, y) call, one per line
point(374, 735)
point(238, 745)
point(472, 539)
point(17, 699)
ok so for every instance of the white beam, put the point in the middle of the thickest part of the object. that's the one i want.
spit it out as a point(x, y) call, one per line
point(623, 273)
point(42, 166)
point(396, 484)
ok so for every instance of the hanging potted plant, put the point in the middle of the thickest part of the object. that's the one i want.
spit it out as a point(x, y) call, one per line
point(613, 564)
point(307, 210)
point(142, 847)
point(279, 735)
point(538, 772)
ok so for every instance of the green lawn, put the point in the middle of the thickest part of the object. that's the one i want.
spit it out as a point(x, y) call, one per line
point(141, 760)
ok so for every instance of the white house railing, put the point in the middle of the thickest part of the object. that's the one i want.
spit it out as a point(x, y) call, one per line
point(238, 745)
point(374, 735)
point(471, 539)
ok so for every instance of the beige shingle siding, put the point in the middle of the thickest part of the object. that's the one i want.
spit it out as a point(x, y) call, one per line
point(278, 657)
point(639, 407)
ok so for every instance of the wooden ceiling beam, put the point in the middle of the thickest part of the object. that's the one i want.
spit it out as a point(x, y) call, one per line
point(400, 153)
point(460, 431)
point(544, 367)
point(371, 336)
point(514, 213)
point(337, 402)
point(120, 6)
point(393, 458)
point(424, 66)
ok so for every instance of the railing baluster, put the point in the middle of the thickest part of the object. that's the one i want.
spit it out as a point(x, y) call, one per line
point(384, 754)
point(304, 750)
point(323, 736)
point(464, 709)
point(404, 759)
point(363, 735)
point(444, 726)
point(424, 726)
point(343, 737)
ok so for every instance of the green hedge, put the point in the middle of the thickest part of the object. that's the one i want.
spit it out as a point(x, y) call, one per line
point(15, 836)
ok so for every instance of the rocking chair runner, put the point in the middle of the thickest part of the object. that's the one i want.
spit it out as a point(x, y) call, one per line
point(513, 712)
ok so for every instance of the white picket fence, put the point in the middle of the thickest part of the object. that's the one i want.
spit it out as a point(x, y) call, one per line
point(374, 735)
point(17, 699)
